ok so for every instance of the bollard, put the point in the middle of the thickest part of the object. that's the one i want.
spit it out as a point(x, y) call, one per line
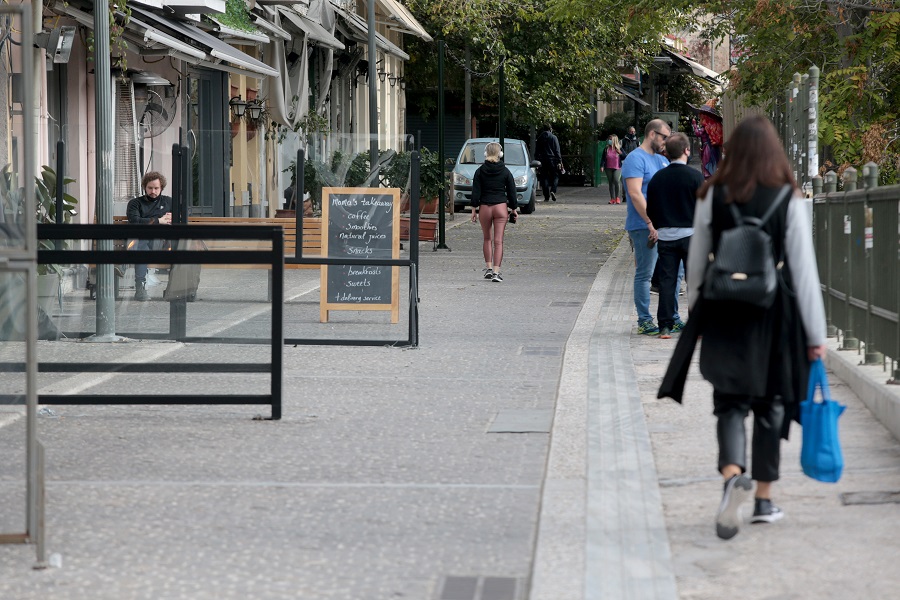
point(817, 185)
point(850, 177)
point(831, 182)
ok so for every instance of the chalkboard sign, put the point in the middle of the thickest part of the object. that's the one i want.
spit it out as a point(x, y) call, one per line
point(360, 223)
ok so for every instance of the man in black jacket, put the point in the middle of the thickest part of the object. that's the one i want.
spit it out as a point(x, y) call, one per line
point(671, 199)
point(629, 141)
point(547, 151)
point(150, 209)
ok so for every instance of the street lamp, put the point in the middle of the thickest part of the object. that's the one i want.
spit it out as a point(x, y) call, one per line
point(238, 106)
point(254, 110)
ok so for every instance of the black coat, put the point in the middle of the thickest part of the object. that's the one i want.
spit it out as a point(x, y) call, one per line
point(746, 350)
point(494, 184)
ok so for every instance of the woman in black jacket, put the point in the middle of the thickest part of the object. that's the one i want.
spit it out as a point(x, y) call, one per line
point(755, 358)
point(494, 203)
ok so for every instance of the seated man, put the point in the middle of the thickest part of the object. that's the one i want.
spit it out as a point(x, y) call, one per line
point(150, 209)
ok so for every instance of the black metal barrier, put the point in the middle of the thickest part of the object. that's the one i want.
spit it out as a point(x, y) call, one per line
point(272, 257)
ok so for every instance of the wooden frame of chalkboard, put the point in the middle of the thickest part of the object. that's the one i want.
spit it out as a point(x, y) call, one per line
point(360, 223)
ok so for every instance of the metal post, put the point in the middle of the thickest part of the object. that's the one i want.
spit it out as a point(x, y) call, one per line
point(373, 91)
point(442, 221)
point(299, 192)
point(794, 126)
point(850, 342)
point(830, 188)
point(415, 180)
point(106, 309)
point(812, 151)
point(501, 106)
point(803, 126)
point(276, 385)
point(872, 356)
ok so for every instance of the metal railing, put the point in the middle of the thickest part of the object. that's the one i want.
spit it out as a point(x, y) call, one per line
point(857, 240)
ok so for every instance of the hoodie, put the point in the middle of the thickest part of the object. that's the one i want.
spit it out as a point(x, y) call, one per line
point(547, 148)
point(494, 184)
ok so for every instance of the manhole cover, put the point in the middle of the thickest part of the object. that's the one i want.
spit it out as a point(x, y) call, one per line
point(525, 420)
point(541, 351)
point(870, 498)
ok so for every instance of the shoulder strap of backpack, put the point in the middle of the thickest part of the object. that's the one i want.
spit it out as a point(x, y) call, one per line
point(774, 206)
point(739, 218)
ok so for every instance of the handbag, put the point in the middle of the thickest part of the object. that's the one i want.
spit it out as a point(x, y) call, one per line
point(820, 452)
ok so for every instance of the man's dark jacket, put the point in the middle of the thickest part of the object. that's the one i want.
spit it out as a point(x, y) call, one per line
point(144, 211)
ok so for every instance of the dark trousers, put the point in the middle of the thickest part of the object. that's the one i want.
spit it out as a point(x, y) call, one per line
point(549, 178)
point(768, 416)
point(671, 255)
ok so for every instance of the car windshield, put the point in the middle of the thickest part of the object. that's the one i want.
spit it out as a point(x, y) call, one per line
point(473, 154)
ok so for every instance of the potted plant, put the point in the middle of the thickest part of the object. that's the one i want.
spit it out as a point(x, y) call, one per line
point(431, 181)
point(49, 276)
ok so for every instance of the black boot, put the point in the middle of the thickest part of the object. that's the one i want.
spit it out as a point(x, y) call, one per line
point(140, 291)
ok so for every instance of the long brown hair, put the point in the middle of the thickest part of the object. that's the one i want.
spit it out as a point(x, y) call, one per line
point(754, 157)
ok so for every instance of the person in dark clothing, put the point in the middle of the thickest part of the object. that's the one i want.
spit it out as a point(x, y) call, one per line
point(629, 141)
point(755, 358)
point(671, 197)
point(493, 203)
point(547, 151)
point(150, 209)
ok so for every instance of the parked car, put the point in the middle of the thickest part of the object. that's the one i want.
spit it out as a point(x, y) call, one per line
point(515, 155)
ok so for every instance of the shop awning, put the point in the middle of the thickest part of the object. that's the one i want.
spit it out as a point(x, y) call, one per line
point(316, 32)
point(275, 31)
point(358, 29)
point(629, 94)
point(231, 58)
point(403, 19)
point(704, 73)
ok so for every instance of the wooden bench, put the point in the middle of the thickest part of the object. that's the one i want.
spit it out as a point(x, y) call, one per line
point(428, 231)
point(312, 235)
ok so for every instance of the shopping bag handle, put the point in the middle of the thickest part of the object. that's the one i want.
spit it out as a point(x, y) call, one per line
point(818, 378)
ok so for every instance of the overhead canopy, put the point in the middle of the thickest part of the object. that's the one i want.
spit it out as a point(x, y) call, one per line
point(316, 32)
point(696, 68)
point(358, 29)
point(222, 56)
point(629, 94)
point(404, 19)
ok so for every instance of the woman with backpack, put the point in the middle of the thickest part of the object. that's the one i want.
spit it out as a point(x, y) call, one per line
point(756, 357)
point(612, 164)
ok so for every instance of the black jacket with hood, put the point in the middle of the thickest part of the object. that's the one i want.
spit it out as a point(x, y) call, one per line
point(494, 184)
point(547, 150)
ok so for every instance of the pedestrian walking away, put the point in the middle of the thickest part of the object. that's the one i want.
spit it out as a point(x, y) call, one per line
point(612, 164)
point(548, 152)
point(639, 167)
point(150, 209)
point(757, 359)
point(493, 204)
point(671, 198)
point(629, 141)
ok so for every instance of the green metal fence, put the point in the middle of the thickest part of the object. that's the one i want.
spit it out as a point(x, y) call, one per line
point(857, 239)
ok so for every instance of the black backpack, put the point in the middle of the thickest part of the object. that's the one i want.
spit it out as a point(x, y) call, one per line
point(743, 268)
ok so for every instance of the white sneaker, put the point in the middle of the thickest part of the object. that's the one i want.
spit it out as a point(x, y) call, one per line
point(738, 489)
point(152, 280)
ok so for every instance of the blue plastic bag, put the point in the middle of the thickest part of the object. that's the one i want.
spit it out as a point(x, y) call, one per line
point(820, 452)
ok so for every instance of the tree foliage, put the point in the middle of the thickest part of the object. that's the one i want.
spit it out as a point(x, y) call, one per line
point(555, 53)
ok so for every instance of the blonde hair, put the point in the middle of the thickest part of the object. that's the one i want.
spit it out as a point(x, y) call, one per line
point(493, 152)
point(615, 142)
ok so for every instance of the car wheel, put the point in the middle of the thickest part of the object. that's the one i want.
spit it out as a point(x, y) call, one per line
point(529, 208)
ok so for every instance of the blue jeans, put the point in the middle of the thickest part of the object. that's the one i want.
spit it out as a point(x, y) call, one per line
point(644, 263)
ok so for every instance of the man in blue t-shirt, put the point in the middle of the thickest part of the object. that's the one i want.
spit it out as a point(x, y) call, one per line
point(639, 167)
